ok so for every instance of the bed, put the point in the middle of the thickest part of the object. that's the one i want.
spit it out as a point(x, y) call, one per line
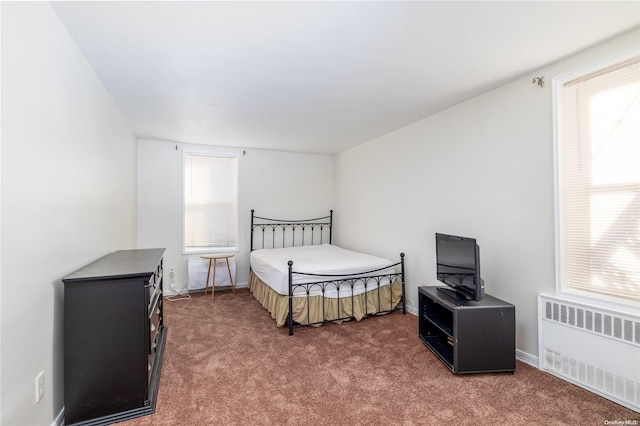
point(303, 280)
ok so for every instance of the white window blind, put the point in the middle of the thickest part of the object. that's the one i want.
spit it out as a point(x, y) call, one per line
point(599, 181)
point(210, 198)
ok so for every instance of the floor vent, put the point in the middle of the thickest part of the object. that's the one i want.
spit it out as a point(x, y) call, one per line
point(591, 347)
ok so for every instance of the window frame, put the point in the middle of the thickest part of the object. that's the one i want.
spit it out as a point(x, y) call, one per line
point(562, 288)
point(210, 153)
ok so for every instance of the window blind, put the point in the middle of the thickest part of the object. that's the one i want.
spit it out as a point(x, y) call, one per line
point(209, 202)
point(599, 181)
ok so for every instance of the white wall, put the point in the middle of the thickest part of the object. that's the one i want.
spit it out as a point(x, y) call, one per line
point(275, 184)
point(68, 197)
point(482, 169)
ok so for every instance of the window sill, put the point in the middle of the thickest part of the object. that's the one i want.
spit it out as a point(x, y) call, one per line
point(210, 250)
point(601, 301)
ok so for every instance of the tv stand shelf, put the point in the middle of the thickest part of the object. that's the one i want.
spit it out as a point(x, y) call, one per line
point(468, 336)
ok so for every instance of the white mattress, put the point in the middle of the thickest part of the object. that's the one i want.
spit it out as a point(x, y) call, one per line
point(271, 266)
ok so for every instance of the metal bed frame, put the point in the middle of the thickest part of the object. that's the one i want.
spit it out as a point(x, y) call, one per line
point(282, 233)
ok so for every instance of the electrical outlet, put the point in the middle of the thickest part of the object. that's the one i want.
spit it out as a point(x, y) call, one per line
point(172, 275)
point(39, 386)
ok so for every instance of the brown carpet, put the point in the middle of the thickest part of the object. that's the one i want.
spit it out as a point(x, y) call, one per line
point(226, 362)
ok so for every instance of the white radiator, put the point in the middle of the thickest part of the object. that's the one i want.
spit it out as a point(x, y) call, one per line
point(591, 347)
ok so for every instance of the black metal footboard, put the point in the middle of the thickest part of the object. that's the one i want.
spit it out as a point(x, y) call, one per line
point(368, 281)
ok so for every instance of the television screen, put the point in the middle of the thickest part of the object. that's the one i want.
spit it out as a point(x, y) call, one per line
point(458, 265)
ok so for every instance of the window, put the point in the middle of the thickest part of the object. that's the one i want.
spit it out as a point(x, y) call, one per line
point(598, 180)
point(210, 203)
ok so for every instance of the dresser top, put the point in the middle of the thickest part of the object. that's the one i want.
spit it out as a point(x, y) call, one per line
point(119, 264)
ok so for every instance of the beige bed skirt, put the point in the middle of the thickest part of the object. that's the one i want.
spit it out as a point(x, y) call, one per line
point(309, 310)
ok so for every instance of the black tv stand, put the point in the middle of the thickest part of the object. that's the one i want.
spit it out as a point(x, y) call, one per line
point(469, 336)
point(455, 295)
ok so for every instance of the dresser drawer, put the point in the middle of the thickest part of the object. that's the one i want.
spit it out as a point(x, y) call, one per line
point(155, 286)
point(154, 327)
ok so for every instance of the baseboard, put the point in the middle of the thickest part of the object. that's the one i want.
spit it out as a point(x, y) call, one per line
point(527, 358)
point(168, 291)
point(411, 307)
point(59, 420)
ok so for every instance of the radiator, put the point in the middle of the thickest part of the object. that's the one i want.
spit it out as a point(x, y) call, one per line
point(591, 347)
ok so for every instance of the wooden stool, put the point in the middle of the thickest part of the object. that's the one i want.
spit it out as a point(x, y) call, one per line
point(213, 258)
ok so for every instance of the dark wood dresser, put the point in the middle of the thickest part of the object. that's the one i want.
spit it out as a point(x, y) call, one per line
point(114, 337)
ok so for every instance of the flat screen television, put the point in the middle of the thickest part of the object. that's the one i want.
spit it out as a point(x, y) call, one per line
point(458, 266)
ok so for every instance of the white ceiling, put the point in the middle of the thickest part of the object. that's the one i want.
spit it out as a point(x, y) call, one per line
point(318, 77)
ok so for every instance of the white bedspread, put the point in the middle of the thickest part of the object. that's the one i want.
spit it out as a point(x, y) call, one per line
point(270, 265)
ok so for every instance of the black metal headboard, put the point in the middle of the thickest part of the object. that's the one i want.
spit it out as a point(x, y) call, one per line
point(290, 233)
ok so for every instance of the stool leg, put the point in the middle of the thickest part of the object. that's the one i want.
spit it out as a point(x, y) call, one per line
point(213, 282)
point(233, 289)
point(206, 285)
